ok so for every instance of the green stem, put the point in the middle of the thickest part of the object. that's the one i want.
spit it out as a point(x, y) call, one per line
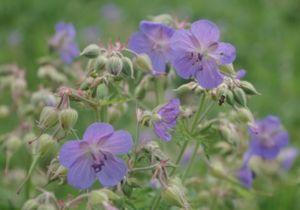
point(32, 167)
point(155, 205)
point(200, 108)
point(191, 160)
point(159, 92)
point(103, 113)
point(178, 160)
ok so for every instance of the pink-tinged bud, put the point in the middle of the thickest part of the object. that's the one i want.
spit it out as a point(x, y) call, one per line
point(114, 65)
point(48, 117)
point(91, 51)
point(186, 88)
point(68, 118)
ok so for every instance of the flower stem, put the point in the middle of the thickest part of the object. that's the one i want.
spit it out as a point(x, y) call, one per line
point(192, 159)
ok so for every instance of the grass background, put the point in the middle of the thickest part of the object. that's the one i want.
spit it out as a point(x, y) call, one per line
point(265, 33)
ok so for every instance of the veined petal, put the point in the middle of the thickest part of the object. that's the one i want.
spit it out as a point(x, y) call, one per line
point(156, 31)
point(158, 61)
point(162, 131)
point(225, 53)
point(97, 131)
point(184, 66)
point(119, 143)
point(206, 32)
point(209, 77)
point(181, 42)
point(139, 43)
point(81, 175)
point(70, 152)
point(112, 172)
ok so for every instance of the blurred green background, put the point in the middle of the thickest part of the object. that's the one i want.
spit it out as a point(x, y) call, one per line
point(266, 34)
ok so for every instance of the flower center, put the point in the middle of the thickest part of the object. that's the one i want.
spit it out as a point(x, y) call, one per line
point(98, 156)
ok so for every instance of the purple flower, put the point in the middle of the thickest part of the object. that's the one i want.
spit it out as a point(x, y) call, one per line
point(267, 138)
point(240, 74)
point(287, 158)
point(167, 119)
point(198, 53)
point(64, 41)
point(95, 156)
point(154, 40)
point(246, 176)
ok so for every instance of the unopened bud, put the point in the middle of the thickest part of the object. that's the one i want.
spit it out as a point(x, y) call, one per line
point(13, 143)
point(186, 87)
point(128, 66)
point(91, 51)
point(164, 19)
point(31, 204)
point(97, 197)
point(48, 117)
point(140, 92)
point(46, 206)
point(102, 91)
point(240, 96)
point(46, 145)
point(248, 88)
point(245, 115)
point(68, 118)
point(227, 68)
point(114, 65)
point(229, 98)
point(143, 62)
point(4, 111)
point(174, 194)
point(100, 63)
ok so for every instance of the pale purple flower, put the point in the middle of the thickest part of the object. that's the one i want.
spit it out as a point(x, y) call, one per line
point(64, 41)
point(246, 176)
point(197, 53)
point(167, 119)
point(287, 158)
point(94, 157)
point(154, 40)
point(111, 12)
point(240, 74)
point(267, 138)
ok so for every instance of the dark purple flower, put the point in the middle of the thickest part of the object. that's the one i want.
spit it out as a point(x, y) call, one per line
point(287, 158)
point(246, 176)
point(154, 40)
point(197, 53)
point(94, 157)
point(64, 41)
point(167, 119)
point(267, 138)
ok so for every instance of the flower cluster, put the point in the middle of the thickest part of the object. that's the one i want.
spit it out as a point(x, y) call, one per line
point(267, 141)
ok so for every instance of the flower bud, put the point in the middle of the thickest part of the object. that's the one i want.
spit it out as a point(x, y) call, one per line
point(240, 96)
point(100, 63)
point(68, 118)
point(13, 143)
point(102, 91)
point(4, 111)
point(229, 98)
point(114, 65)
point(128, 67)
point(174, 194)
point(48, 117)
point(186, 88)
point(31, 204)
point(164, 19)
point(97, 197)
point(143, 62)
point(245, 115)
point(91, 51)
point(46, 206)
point(46, 145)
point(248, 88)
point(227, 68)
point(154, 183)
point(140, 92)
